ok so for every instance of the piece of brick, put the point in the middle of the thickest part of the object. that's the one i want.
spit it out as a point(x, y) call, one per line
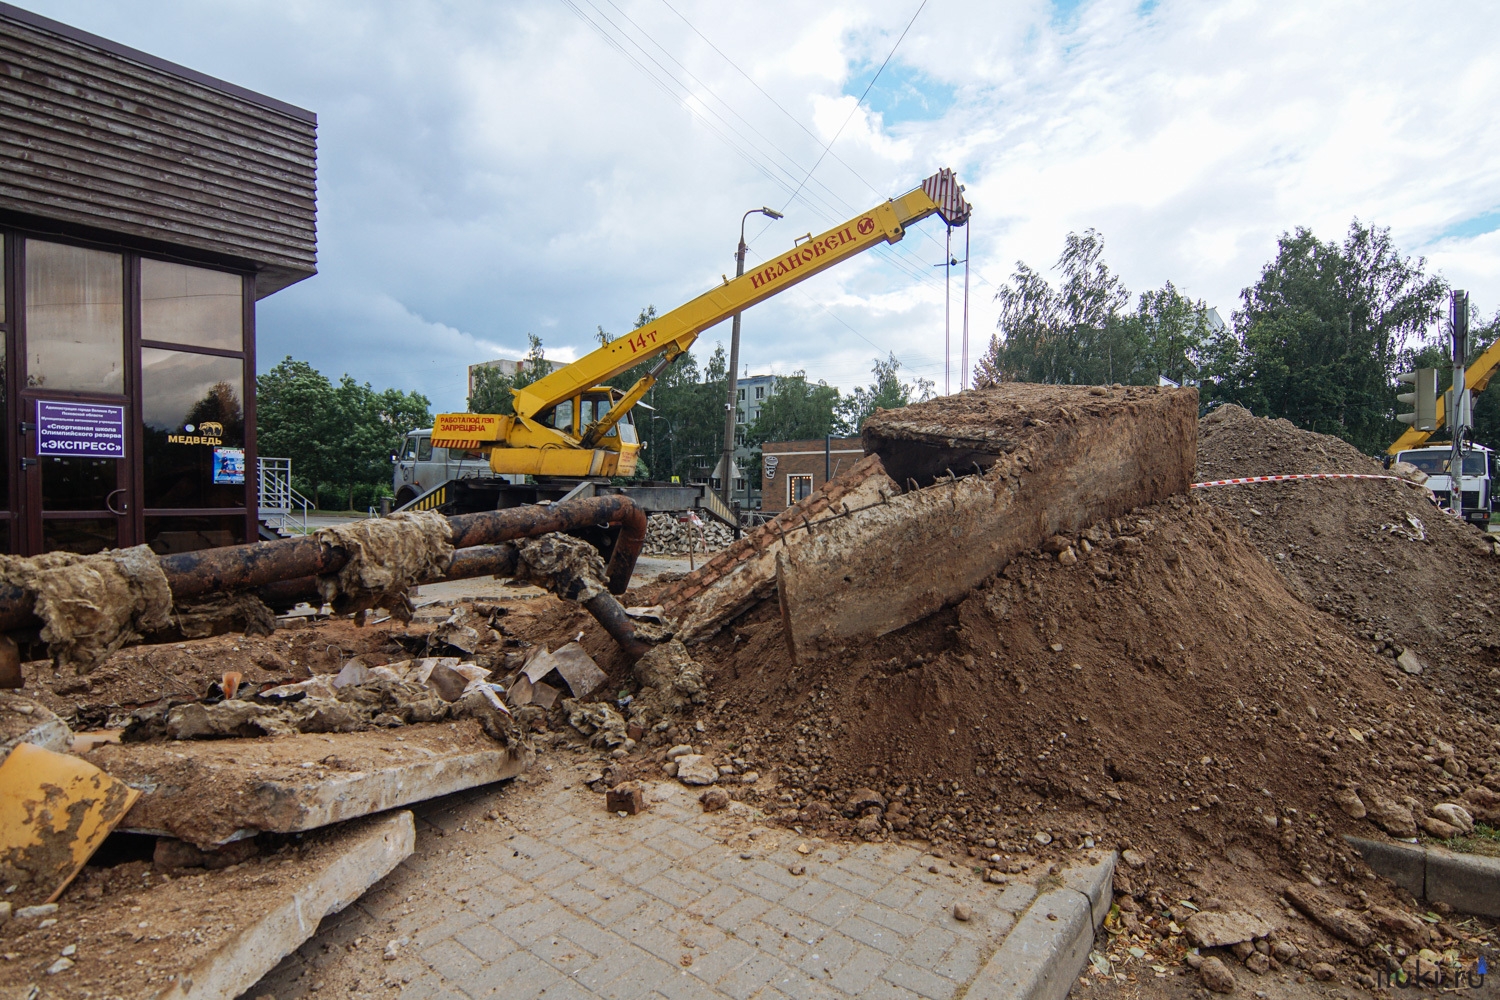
point(627, 798)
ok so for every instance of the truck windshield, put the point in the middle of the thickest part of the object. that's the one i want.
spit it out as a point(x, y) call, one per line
point(1434, 463)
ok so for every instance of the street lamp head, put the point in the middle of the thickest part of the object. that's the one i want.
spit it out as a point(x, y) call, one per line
point(771, 212)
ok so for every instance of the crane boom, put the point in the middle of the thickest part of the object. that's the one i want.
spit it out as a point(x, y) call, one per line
point(525, 443)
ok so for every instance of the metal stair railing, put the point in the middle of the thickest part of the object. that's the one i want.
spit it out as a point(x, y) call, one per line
point(281, 506)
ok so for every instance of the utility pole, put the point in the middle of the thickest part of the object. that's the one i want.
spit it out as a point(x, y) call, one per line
point(1458, 415)
point(731, 407)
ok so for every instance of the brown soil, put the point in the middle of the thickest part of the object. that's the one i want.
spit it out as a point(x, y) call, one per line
point(134, 926)
point(1399, 572)
point(1166, 694)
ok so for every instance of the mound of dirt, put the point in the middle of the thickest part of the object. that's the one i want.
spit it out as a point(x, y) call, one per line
point(1165, 693)
point(1399, 572)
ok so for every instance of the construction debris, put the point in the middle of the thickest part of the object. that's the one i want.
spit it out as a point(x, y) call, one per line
point(55, 811)
point(91, 605)
point(385, 557)
point(671, 534)
point(25, 720)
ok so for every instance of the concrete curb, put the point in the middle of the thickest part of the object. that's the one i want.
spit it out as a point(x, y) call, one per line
point(1049, 946)
point(1470, 883)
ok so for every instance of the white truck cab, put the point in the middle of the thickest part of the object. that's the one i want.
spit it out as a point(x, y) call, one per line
point(419, 466)
point(1476, 480)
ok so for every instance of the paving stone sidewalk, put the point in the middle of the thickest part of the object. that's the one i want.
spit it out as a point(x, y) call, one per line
point(552, 897)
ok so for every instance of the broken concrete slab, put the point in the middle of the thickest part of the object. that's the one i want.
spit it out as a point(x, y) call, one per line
point(579, 670)
point(1060, 458)
point(209, 793)
point(744, 573)
point(23, 720)
point(202, 934)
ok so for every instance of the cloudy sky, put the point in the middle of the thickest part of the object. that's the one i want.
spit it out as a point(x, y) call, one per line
point(491, 169)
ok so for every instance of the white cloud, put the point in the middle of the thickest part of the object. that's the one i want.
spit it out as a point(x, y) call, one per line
point(488, 170)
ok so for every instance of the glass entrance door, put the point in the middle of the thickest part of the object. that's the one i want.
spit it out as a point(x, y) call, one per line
point(74, 403)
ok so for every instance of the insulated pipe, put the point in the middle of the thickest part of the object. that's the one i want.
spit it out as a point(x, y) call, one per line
point(245, 567)
point(478, 560)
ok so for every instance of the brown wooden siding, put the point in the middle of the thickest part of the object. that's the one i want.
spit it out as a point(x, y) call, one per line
point(92, 137)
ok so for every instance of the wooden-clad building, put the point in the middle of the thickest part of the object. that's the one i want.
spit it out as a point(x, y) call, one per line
point(144, 209)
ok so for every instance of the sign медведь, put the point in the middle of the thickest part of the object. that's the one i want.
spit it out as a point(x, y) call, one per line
point(93, 430)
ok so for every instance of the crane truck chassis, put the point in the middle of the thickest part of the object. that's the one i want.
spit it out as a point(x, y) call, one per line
point(569, 434)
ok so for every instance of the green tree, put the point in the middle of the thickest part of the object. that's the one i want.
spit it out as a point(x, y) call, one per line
point(339, 437)
point(1323, 331)
point(296, 418)
point(886, 392)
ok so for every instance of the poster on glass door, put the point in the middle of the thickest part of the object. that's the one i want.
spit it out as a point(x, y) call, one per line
point(89, 430)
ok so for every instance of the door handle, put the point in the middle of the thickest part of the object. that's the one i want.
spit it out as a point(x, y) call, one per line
point(109, 502)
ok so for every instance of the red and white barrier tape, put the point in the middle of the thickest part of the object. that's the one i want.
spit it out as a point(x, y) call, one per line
point(1303, 475)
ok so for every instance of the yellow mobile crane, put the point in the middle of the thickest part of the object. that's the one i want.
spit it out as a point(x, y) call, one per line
point(570, 426)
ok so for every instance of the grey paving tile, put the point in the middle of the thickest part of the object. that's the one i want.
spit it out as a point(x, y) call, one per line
point(753, 975)
point(961, 962)
point(828, 954)
point(486, 942)
point(607, 969)
point(861, 970)
point(920, 981)
point(741, 913)
point(902, 923)
point(520, 974)
point(837, 906)
point(562, 953)
point(720, 960)
point(452, 961)
point(882, 939)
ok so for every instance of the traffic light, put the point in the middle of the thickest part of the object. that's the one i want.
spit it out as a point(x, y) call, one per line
point(1424, 399)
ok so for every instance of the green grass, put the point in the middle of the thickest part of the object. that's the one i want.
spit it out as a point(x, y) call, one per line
point(1484, 840)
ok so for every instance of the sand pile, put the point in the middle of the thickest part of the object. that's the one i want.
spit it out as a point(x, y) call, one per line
point(1400, 573)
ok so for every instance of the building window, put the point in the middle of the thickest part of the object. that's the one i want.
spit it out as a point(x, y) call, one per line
point(739, 416)
point(193, 409)
point(75, 318)
point(760, 392)
point(192, 306)
point(739, 485)
point(742, 395)
point(798, 488)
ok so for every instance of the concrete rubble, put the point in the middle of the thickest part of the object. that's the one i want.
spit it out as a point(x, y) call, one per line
point(950, 489)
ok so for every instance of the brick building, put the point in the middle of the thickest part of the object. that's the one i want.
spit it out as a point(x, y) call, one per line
point(790, 470)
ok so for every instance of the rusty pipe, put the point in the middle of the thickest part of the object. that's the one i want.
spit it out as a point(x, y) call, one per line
point(245, 567)
point(479, 560)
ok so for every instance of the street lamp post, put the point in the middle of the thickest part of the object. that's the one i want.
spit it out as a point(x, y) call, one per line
point(731, 407)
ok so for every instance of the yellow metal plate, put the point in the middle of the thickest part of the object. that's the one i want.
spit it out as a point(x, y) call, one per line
point(55, 811)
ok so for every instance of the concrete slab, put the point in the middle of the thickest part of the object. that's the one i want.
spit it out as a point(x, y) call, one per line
point(23, 720)
point(212, 792)
point(745, 572)
point(1059, 459)
point(129, 931)
point(369, 851)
